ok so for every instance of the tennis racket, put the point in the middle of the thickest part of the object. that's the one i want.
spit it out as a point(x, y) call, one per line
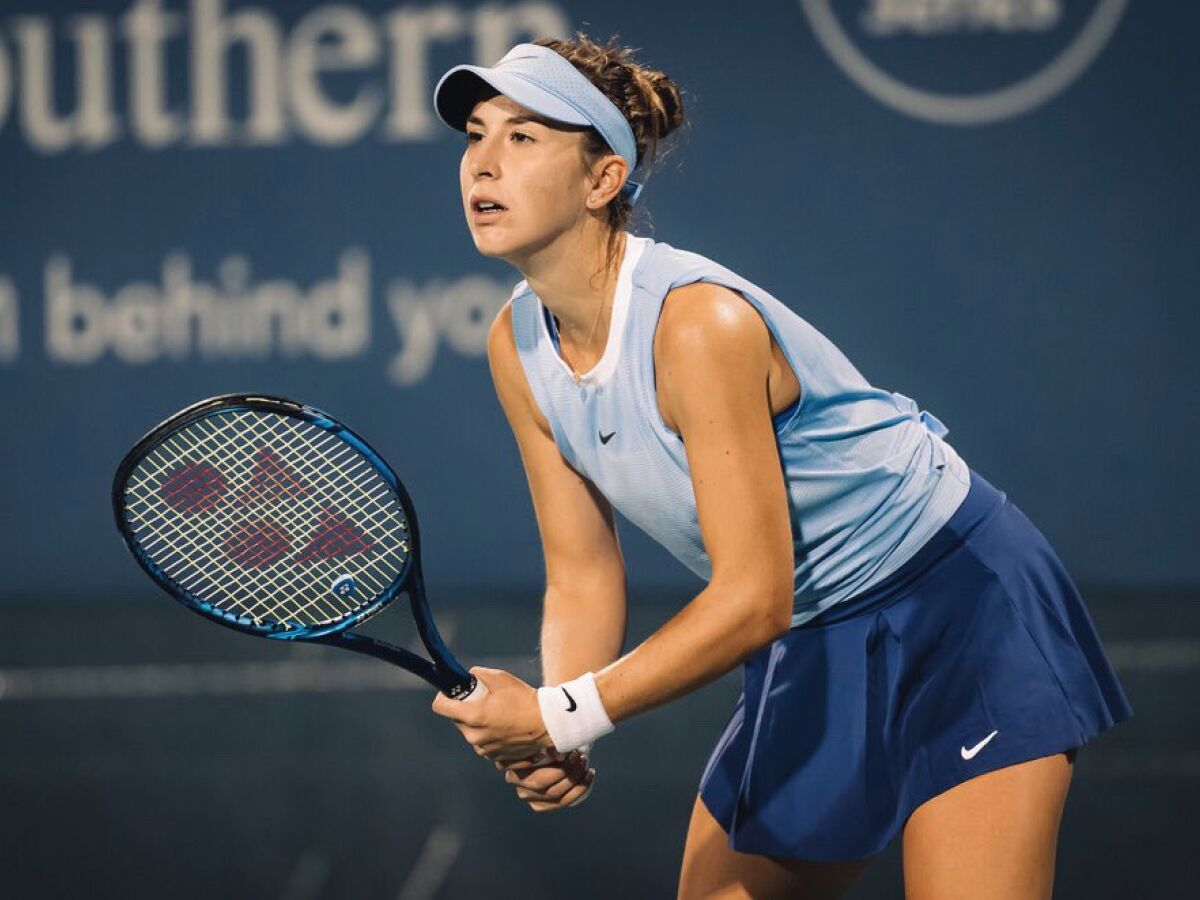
point(272, 518)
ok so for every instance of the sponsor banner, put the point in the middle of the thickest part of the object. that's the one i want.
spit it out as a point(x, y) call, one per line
point(973, 199)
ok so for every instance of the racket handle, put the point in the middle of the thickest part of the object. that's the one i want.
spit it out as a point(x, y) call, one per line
point(477, 693)
point(480, 691)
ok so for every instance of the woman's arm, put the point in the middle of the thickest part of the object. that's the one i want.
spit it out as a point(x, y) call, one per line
point(713, 358)
point(583, 619)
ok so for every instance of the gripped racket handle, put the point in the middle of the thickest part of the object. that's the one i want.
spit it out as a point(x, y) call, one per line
point(477, 693)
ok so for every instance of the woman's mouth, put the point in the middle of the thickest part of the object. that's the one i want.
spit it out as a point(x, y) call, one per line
point(486, 211)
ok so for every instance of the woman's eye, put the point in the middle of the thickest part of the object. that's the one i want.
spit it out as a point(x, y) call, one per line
point(473, 137)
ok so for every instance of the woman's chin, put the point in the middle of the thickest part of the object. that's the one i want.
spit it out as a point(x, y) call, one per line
point(491, 244)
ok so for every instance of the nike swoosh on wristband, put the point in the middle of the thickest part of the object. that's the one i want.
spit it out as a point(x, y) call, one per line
point(970, 754)
point(571, 700)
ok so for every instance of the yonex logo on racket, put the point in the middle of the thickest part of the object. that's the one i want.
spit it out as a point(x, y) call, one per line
point(343, 586)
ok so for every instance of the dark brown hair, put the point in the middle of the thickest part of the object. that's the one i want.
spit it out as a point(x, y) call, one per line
point(651, 102)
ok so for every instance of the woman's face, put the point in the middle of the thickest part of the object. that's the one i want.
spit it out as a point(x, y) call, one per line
point(534, 171)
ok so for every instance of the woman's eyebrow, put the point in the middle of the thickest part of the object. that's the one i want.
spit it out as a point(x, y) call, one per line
point(511, 120)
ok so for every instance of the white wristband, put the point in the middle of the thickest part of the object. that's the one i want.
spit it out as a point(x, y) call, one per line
point(573, 713)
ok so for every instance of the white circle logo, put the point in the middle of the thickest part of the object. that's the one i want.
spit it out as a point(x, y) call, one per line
point(924, 18)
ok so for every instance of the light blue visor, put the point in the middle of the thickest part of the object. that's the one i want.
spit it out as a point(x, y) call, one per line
point(545, 83)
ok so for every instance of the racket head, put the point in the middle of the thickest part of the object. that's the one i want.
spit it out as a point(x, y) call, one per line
point(236, 507)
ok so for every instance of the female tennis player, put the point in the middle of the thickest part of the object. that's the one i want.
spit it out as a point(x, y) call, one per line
point(915, 656)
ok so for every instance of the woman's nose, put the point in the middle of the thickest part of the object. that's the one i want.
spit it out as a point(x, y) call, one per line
point(483, 158)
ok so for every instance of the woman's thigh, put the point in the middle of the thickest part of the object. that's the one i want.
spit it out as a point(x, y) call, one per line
point(711, 870)
point(993, 837)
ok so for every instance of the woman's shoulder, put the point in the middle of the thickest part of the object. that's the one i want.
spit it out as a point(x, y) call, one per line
point(702, 307)
point(686, 278)
point(665, 270)
point(701, 321)
point(659, 256)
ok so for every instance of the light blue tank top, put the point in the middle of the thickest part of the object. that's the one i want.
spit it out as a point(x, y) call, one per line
point(869, 478)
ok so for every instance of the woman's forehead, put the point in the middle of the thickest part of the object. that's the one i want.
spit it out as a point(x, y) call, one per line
point(499, 109)
point(503, 104)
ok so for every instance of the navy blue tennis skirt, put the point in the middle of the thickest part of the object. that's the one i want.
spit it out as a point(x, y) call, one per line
point(976, 654)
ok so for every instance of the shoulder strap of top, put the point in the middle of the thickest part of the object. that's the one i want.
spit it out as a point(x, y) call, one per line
point(542, 371)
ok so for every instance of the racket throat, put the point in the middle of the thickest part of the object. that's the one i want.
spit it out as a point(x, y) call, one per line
point(447, 682)
point(442, 657)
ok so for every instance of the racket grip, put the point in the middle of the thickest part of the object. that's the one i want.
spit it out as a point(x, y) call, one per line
point(480, 691)
point(476, 693)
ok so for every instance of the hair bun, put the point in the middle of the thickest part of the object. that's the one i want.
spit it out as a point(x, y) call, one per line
point(650, 101)
point(660, 96)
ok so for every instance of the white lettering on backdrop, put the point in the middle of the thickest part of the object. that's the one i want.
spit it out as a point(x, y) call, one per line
point(181, 317)
point(885, 17)
point(459, 311)
point(284, 71)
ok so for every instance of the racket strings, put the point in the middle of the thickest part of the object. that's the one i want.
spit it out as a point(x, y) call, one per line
point(344, 456)
point(185, 547)
point(243, 474)
point(249, 465)
point(298, 509)
point(361, 475)
point(178, 550)
point(198, 579)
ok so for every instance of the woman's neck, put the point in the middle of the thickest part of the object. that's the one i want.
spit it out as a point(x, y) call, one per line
point(573, 279)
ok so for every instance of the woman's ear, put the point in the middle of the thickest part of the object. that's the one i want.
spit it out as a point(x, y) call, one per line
point(609, 175)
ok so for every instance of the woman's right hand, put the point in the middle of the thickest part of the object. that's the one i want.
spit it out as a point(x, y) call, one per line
point(548, 786)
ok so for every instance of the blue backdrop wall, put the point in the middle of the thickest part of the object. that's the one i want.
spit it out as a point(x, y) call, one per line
point(991, 208)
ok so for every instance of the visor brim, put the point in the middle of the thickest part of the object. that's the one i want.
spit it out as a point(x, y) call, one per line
point(460, 89)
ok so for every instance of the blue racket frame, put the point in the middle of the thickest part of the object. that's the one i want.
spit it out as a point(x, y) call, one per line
point(443, 671)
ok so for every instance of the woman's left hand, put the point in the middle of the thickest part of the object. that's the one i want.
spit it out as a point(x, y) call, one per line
point(506, 725)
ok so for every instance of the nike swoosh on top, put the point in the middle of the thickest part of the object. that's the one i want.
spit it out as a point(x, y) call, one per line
point(571, 700)
point(605, 438)
point(970, 754)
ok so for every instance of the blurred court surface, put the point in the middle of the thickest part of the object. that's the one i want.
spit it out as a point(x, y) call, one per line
point(162, 756)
